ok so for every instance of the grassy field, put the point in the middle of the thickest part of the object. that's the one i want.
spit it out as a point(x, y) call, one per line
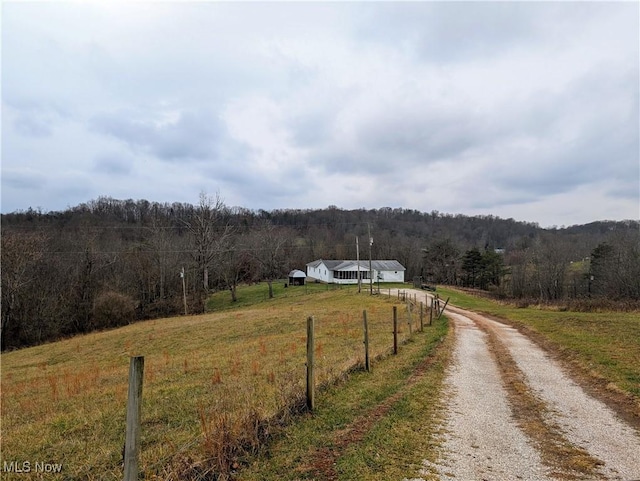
point(258, 293)
point(606, 344)
point(237, 373)
point(208, 378)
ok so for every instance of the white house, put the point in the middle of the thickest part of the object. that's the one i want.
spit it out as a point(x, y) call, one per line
point(346, 272)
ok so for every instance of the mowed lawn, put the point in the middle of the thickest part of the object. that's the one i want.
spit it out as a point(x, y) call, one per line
point(65, 402)
point(606, 344)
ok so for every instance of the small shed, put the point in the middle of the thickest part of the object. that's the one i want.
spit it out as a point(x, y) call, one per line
point(297, 278)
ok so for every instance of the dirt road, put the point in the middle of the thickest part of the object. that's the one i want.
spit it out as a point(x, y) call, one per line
point(512, 413)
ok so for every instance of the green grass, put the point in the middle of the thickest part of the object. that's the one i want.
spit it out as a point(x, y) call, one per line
point(408, 434)
point(258, 293)
point(204, 375)
point(607, 344)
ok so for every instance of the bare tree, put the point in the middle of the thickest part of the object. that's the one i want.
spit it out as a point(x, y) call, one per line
point(551, 258)
point(615, 267)
point(233, 263)
point(209, 229)
point(21, 253)
point(268, 248)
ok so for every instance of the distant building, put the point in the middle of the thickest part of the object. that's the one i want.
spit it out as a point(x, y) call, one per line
point(499, 250)
point(346, 271)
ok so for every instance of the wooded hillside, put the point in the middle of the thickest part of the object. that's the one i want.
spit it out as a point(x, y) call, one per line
point(109, 262)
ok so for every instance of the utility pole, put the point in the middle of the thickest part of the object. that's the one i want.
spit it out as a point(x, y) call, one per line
point(184, 291)
point(358, 261)
point(370, 269)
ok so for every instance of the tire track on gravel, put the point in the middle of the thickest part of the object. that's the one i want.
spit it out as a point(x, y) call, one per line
point(586, 422)
point(483, 442)
point(533, 415)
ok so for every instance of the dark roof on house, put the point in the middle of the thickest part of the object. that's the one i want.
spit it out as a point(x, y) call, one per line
point(388, 265)
point(378, 265)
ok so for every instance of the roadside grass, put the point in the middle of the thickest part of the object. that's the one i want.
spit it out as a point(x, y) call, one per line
point(396, 447)
point(604, 344)
point(207, 379)
point(396, 443)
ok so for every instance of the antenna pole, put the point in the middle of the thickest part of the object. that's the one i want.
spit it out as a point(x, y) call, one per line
point(370, 269)
point(184, 291)
point(358, 262)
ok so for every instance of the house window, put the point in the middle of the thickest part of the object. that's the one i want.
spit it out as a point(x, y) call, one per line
point(346, 275)
point(350, 275)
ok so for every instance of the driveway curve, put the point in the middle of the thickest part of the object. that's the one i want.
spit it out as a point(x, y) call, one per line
point(513, 413)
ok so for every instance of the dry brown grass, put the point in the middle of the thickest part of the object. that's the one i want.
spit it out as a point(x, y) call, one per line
point(216, 385)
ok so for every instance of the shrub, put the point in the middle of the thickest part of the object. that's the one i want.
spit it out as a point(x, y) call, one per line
point(112, 309)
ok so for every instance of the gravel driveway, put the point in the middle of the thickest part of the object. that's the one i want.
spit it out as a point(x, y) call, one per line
point(512, 413)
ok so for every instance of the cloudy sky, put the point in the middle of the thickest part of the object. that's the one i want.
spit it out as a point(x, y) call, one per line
point(523, 110)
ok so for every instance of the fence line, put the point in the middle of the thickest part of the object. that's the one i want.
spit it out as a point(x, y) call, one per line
point(136, 371)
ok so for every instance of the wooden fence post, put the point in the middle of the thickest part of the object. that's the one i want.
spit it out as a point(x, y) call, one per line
point(134, 410)
point(310, 364)
point(431, 310)
point(409, 316)
point(421, 316)
point(395, 329)
point(367, 364)
point(443, 307)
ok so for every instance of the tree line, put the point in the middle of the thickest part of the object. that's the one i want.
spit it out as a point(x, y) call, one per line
point(109, 262)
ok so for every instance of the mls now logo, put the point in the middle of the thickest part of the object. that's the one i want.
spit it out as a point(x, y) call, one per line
point(28, 467)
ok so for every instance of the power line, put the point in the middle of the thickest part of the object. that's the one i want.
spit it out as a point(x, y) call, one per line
point(173, 251)
point(179, 227)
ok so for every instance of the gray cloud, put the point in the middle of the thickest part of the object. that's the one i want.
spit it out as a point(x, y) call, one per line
point(32, 126)
point(23, 179)
point(190, 135)
point(627, 189)
point(444, 32)
point(115, 164)
point(33, 117)
point(421, 136)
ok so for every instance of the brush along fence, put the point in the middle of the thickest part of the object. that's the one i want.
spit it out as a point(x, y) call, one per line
point(234, 428)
